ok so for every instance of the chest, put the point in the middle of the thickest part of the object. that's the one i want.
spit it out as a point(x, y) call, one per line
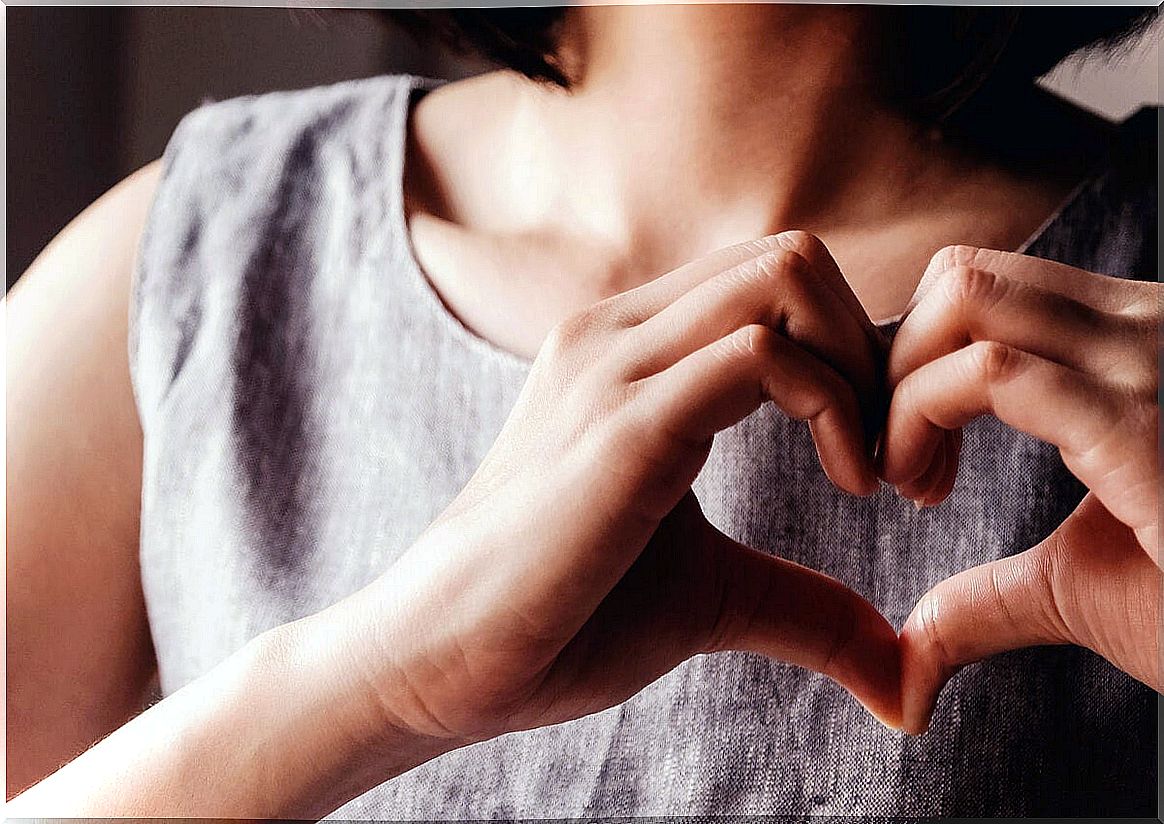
point(255, 517)
point(512, 290)
point(250, 532)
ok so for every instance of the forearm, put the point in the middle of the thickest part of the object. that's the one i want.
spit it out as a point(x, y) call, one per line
point(275, 731)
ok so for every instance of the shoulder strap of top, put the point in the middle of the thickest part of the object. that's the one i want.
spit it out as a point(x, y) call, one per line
point(260, 198)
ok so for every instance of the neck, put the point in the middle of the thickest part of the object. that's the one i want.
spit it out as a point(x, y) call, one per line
point(711, 124)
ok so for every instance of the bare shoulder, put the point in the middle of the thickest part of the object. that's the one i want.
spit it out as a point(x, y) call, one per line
point(74, 458)
point(69, 313)
point(81, 283)
point(110, 228)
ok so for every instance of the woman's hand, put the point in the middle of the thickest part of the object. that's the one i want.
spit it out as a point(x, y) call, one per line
point(1071, 358)
point(576, 567)
point(573, 569)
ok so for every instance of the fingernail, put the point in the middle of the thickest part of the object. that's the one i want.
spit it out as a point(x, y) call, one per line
point(918, 503)
point(879, 455)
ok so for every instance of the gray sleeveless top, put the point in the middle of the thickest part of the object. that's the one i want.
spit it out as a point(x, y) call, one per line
point(309, 406)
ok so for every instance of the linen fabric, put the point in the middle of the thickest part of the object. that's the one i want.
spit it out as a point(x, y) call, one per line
point(309, 406)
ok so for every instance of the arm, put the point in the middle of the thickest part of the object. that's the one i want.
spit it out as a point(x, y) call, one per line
point(573, 569)
point(275, 731)
point(79, 656)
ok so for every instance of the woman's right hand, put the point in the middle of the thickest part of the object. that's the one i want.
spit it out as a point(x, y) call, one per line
point(573, 569)
point(576, 567)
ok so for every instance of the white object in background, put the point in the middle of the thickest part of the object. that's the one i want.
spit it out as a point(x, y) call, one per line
point(1115, 86)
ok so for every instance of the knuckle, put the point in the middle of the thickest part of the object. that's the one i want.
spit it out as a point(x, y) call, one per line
point(559, 339)
point(779, 267)
point(827, 390)
point(1135, 370)
point(970, 287)
point(758, 247)
point(1146, 392)
point(607, 313)
point(948, 257)
point(844, 634)
point(1140, 414)
point(995, 362)
point(805, 244)
point(1138, 299)
point(1146, 333)
point(768, 243)
point(928, 622)
point(570, 333)
point(754, 341)
point(1138, 341)
point(1050, 579)
point(591, 319)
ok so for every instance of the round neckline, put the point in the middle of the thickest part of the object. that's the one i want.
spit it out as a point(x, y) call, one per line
point(457, 329)
point(453, 325)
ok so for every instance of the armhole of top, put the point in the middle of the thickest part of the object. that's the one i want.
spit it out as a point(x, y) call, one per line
point(140, 281)
point(203, 172)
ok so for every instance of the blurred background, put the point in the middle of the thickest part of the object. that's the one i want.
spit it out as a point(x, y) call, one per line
point(94, 93)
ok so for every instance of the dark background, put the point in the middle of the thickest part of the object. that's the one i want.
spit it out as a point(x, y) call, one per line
point(94, 93)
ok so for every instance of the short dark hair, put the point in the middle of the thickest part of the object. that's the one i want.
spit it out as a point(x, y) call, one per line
point(938, 57)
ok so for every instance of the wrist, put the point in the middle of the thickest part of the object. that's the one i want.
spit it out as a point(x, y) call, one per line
point(340, 722)
point(278, 730)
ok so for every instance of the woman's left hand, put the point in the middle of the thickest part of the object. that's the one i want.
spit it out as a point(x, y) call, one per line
point(1071, 358)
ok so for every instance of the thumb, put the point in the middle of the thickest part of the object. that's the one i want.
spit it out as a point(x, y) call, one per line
point(1000, 606)
point(789, 612)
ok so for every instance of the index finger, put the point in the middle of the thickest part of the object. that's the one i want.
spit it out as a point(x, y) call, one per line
point(646, 301)
point(1099, 291)
point(651, 298)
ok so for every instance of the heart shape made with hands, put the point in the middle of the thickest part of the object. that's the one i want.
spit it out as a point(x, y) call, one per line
point(1069, 357)
point(584, 569)
point(1064, 355)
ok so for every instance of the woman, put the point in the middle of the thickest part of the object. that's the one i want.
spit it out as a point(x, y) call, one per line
point(375, 538)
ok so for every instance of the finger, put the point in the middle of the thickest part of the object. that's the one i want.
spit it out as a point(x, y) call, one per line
point(1003, 605)
point(1100, 291)
point(1056, 404)
point(821, 261)
point(1106, 435)
point(945, 484)
point(722, 383)
point(921, 488)
point(874, 398)
point(783, 610)
point(638, 304)
point(1087, 583)
point(927, 455)
point(964, 305)
point(648, 300)
point(941, 479)
point(778, 289)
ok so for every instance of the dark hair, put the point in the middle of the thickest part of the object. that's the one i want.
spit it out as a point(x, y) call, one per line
point(937, 57)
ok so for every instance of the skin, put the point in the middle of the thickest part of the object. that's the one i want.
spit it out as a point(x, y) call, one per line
point(577, 542)
point(739, 131)
point(79, 657)
point(1071, 358)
